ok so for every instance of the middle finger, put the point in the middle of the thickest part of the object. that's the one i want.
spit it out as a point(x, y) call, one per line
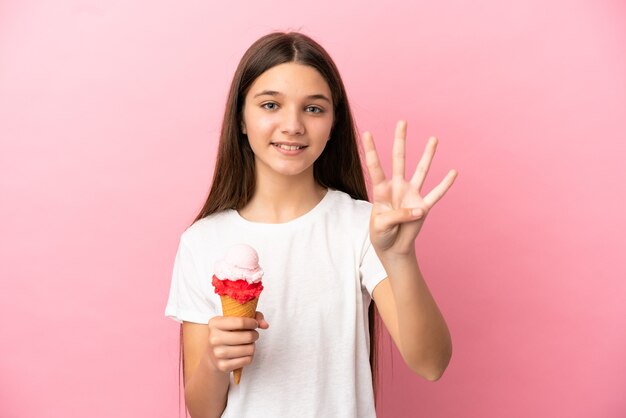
point(399, 151)
point(238, 337)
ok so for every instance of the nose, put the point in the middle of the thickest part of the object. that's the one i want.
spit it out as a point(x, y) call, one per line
point(291, 123)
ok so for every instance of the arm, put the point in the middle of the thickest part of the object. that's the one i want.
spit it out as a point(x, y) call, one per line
point(210, 353)
point(414, 321)
point(405, 304)
point(205, 388)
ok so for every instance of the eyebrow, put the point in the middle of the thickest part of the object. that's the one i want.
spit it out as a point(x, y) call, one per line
point(276, 93)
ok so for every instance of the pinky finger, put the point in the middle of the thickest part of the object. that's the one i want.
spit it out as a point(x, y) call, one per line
point(440, 190)
point(228, 365)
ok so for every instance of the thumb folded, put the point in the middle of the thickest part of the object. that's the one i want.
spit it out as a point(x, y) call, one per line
point(388, 220)
point(260, 318)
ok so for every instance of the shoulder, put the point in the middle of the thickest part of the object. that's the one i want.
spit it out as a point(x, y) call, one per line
point(347, 205)
point(349, 215)
point(209, 226)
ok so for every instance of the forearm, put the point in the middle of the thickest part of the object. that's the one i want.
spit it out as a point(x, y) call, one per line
point(206, 391)
point(423, 336)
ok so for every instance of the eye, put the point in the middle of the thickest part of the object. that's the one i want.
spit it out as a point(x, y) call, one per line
point(270, 106)
point(314, 109)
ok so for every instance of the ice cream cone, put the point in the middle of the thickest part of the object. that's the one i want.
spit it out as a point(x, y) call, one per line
point(237, 280)
point(231, 307)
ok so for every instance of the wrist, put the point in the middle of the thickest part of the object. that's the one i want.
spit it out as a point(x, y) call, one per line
point(396, 258)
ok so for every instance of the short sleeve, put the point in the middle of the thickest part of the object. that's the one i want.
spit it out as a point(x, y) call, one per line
point(190, 295)
point(371, 269)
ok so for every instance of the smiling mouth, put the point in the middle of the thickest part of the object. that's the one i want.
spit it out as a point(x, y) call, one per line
point(289, 147)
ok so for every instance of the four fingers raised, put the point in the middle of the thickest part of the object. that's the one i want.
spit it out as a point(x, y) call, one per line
point(377, 173)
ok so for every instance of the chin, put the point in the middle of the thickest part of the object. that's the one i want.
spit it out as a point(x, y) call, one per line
point(294, 171)
point(285, 168)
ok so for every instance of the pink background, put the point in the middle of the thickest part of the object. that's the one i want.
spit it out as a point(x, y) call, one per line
point(109, 113)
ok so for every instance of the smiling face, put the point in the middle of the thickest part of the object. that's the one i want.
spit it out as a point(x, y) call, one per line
point(288, 117)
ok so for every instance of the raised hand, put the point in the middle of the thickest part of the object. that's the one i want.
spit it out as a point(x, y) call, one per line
point(399, 209)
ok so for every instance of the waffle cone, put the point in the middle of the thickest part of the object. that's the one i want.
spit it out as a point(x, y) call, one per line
point(231, 307)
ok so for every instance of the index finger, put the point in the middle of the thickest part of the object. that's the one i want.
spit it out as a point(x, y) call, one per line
point(235, 323)
point(371, 159)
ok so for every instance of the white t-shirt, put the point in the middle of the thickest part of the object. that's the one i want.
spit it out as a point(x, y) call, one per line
point(320, 271)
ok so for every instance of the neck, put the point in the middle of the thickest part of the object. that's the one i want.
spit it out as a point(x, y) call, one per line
point(279, 199)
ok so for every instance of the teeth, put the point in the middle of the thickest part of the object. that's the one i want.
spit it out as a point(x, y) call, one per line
point(288, 147)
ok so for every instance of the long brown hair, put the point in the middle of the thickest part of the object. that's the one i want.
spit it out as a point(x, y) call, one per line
point(339, 165)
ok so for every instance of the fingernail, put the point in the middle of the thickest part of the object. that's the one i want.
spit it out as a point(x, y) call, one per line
point(416, 212)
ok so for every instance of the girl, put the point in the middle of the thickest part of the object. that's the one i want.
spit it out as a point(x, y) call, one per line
point(288, 181)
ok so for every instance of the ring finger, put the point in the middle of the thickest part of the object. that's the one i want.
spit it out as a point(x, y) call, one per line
point(234, 351)
point(238, 337)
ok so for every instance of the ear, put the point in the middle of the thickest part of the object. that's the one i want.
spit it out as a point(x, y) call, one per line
point(243, 128)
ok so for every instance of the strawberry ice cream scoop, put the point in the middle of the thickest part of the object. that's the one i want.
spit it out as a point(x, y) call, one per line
point(241, 262)
point(238, 275)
